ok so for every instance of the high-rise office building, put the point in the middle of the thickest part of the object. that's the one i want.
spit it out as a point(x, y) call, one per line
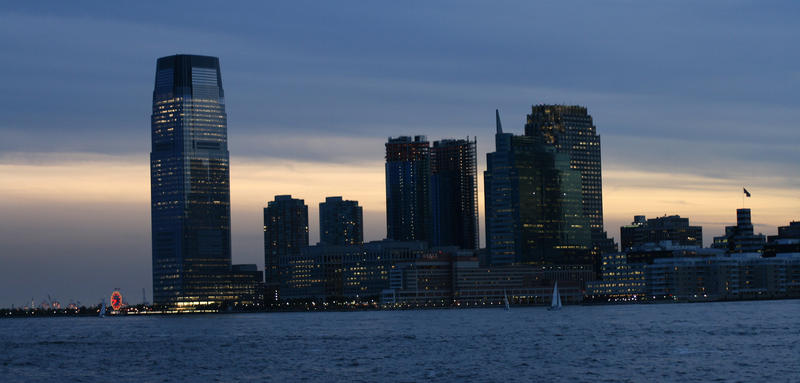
point(570, 129)
point(408, 213)
point(654, 230)
point(285, 233)
point(500, 200)
point(454, 193)
point(340, 222)
point(534, 211)
point(189, 182)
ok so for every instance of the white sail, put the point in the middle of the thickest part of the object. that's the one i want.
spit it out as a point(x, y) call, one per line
point(555, 304)
point(505, 299)
point(559, 298)
point(103, 310)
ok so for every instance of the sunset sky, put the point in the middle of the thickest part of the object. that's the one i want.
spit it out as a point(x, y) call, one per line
point(693, 101)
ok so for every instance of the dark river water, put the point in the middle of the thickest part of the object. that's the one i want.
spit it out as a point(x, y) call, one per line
point(722, 342)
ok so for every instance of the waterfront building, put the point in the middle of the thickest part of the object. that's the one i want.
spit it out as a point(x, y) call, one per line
point(667, 228)
point(455, 277)
point(354, 272)
point(248, 283)
point(620, 279)
point(738, 276)
point(740, 238)
point(691, 273)
point(189, 185)
point(285, 234)
point(787, 240)
point(522, 284)
point(340, 222)
point(790, 231)
point(533, 199)
point(623, 274)
point(454, 193)
point(427, 280)
point(412, 274)
point(408, 213)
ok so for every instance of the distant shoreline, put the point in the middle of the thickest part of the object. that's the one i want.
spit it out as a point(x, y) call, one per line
point(93, 312)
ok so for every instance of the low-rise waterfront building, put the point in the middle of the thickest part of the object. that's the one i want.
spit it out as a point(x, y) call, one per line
point(411, 274)
point(691, 273)
point(743, 276)
point(620, 279)
point(349, 272)
point(787, 240)
point(522, 283)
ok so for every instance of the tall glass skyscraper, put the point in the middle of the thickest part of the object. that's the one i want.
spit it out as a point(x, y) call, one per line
point(189, 182)
point(408, 213)
point(534, 211)
point(570, 129)
point(500, 200)
point(454, 193)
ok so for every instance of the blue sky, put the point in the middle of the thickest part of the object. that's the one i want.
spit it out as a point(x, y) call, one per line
point(692, 100)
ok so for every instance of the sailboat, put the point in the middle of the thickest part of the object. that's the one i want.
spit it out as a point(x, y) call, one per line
point(556, 302)
point(505, 300)
point(103, 310)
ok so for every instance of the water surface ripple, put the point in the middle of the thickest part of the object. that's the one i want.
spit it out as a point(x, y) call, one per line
point(713, 342)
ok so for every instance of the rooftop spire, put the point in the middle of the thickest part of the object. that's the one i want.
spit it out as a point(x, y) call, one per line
point(497, 118)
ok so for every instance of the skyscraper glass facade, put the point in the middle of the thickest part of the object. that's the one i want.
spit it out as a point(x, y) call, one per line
point(570, 130)
point(408, 213)
point(190, 193)
point(499, 196)
point(534, 211)
point(454, 193)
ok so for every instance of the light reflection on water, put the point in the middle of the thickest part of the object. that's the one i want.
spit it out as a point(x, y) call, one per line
point(734, 341)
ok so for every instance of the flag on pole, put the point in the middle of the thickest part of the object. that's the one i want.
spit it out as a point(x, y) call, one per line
point(746, 193)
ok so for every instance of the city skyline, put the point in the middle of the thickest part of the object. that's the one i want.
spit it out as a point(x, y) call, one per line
point(75, 203)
